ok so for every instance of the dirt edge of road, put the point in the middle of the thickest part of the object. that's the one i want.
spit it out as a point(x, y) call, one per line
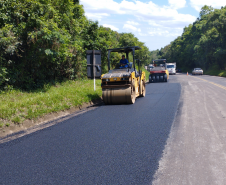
point(29, 126)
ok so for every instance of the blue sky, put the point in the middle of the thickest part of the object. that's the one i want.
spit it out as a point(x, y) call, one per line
point(156, 22)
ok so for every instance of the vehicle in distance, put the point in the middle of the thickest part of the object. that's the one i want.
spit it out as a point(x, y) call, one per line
point(171, 67)
point(150, 67)
point(123, 85)
point(159, 72)
point(179, 70)
point(197, 71)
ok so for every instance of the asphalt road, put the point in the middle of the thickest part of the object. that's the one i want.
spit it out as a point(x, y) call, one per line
point(175, 135)
point(196, 148)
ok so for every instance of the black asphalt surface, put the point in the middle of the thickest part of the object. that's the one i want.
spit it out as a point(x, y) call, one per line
point(113, 144)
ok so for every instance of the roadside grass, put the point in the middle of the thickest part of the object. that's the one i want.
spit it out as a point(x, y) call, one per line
point(215, 71)
point(146, 72)
point(17, 106)
point(146, 75)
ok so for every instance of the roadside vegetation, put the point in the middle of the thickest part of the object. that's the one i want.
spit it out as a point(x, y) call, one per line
point(215, 71)
point(146, 74)
point(17, 106)
point(43, 46)
point(202, 44)
point(44, 41)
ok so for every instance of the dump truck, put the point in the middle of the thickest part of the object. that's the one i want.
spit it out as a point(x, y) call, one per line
point(159, 72)
point(123, 85)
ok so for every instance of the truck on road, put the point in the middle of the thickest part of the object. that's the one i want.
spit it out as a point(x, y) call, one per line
point(171, 67)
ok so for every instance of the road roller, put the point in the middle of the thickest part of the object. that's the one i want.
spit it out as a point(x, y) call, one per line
point(159, 72)
point(123, 85)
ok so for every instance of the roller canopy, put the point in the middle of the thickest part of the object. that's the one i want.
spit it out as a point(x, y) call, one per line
point(125, 49)
point(158, 60)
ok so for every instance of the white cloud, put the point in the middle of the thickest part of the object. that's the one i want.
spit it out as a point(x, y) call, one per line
point(155, 21)
point(132, 23)
point(177, 3)
point(145, 11)
point(131, 28)
point(164, 32)
point(110, 26)
point(97, 16)
point(198, 4)
point(143, 34)
point(101, 6)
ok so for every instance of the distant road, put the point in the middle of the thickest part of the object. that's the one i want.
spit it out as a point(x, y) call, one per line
point(143, 143)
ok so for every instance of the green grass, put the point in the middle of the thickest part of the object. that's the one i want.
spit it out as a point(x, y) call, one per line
point(215, 71)
point(146, 74)
point(16, 106)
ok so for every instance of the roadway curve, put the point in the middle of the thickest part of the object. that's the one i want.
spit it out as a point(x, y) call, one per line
point(142, 143)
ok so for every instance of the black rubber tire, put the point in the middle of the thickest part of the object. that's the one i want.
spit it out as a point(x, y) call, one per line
point(161, 78)
point(157, 78)
point(150, 79)
point(153, 79)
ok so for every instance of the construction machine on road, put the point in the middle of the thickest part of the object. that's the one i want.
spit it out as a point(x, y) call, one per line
point(159, 72)
point(123, 85)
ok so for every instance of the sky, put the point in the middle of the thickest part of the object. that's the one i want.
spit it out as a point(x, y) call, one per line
point(156, 22)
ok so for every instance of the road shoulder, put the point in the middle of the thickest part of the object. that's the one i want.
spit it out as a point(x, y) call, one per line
point(30, 126)
point(196, 147)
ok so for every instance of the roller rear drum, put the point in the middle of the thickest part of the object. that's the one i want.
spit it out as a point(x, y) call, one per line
point(119, 95)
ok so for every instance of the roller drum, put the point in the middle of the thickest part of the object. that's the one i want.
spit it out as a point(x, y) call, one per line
point(119, 95)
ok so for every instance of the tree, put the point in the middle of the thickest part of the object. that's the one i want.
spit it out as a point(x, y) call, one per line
point(205, 10)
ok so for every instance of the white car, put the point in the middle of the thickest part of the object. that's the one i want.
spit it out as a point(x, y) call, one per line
point(197, 71)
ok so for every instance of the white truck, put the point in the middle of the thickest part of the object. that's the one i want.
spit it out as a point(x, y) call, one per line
point(150, 66)
point(171, 67)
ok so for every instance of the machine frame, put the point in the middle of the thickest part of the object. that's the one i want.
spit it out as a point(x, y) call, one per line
point(159, 73)
point(123, 85)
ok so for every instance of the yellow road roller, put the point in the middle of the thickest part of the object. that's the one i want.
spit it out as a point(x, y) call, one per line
point(122, 85)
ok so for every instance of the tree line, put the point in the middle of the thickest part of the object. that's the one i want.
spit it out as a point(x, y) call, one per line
point(44, 41)
point(202, 44)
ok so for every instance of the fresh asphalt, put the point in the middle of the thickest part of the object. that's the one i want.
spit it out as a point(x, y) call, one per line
point(113, 144)
point(143, 143)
